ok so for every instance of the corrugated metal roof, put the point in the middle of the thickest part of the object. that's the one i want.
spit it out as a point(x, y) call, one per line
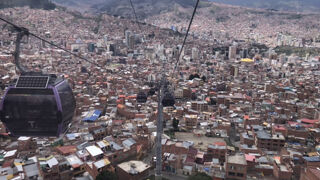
point(312, 159)
point(94, 150)
point(31, 170)
point(52, 162)
point(128, 142)
point(101, 163)
point(115, 146)
point(92, 115)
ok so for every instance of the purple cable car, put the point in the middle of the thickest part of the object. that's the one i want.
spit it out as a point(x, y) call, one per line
point(38, 105)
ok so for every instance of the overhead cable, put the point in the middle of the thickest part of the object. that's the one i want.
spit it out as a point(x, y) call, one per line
point(186, 36)
point(44, 40)
point(135, 14)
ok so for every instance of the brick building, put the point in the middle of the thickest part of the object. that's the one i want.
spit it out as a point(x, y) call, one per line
point(177, 148)
point(95, 167)
point(281, 170)
point(132, 170)
point(190, 121)
point(310, 173)
point(199, 105)
point(217, 150)
point(272, 142)
point(236, 167)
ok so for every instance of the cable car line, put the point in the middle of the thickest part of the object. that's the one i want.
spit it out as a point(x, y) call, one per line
point(135, 14)
point(44, 40)
point(186, 36)
point(87, 60)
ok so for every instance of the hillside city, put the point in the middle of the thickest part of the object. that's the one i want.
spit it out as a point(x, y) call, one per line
point(247, 102)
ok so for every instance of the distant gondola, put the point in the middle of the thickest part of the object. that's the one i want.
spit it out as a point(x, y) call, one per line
point(142, 97)
point(168, 99)
point(151, 92)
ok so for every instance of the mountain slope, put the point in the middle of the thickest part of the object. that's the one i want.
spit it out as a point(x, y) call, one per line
point(151, 7)
point(286, 5)
point(144, 8)
point(39, 4)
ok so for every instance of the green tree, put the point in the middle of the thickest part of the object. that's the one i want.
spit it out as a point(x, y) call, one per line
point(107, 175)
point(200, 176)
point(204, 78)
point(192, 76)
point(175, 124)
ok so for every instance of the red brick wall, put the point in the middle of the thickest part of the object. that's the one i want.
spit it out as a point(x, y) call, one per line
point(125, 176)
point(308, 175)
point(238, 169)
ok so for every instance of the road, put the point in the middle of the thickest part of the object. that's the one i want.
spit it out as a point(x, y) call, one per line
point(170, 176)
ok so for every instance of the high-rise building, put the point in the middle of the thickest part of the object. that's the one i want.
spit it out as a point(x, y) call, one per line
point(232, 52)
point(244, 53)
point(91, 47)
point(282, 58)
point(234, 71)
point(131, 42)
point(113, 48)
point(127, 36)
point(195, 53)
point(175, 53)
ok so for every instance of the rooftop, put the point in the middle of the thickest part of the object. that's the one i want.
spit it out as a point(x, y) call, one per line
point(237, 159)
point(67, 149)
point(74, 161)
point(101, 163)
point(315, 171)
point(23, 138)
point(312, 159)
point(134, 167)
point(10, 153)
point(94, 150)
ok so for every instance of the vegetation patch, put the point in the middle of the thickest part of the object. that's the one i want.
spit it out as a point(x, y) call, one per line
point(299, 51)
point(221, 19)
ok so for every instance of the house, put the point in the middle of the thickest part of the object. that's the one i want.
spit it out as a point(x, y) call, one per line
point(271, 142)
point(95, 152)
point(281, 170)
point(217, 150)
point(76, 164)
point(236, 167)
point(48, 167)
point(310, 173)
point(95, 167)
point(132, 170)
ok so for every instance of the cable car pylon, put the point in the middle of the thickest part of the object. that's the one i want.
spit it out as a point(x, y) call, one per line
point(165, 99)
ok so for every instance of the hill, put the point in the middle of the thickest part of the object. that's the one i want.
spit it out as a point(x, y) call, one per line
point(283, 5)
point(144, 8)
point(151, 7)
point(38, 4)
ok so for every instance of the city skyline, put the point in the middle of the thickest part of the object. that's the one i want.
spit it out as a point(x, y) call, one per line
point(236, 97)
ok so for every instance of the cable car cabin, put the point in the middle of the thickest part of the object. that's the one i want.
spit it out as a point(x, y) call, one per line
point(168, 99)
point(142, 97)
point(151, 92)
point(38, 105)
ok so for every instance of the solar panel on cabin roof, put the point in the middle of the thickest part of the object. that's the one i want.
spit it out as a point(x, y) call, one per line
point(32, 82)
